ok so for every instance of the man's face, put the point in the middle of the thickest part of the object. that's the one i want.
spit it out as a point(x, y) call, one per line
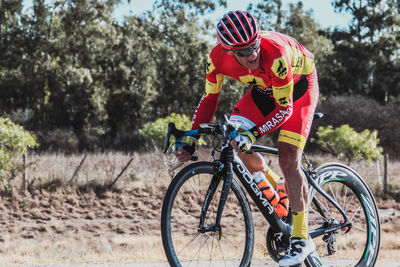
point(249, 57)
point(251, 62)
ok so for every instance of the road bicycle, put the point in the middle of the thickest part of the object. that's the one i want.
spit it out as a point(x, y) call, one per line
point(206, 217)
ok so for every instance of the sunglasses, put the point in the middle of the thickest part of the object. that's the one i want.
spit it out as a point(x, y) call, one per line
point(248, 51)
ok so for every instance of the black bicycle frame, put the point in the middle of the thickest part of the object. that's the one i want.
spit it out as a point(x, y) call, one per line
point(229, 164)
point(226, 166)
point(261, 201)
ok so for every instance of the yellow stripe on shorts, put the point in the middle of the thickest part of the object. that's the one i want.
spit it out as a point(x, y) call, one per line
point(292, 138)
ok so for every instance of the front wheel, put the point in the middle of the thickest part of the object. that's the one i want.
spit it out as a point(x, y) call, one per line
point(184, 243)
point(354, 246)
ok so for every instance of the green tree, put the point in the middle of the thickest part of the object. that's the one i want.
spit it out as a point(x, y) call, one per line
point(75, 61)
point(84, 61)
point(14, 142)
point(345, 142)
point(269, 14)
point(11, 39)
point(367, 50)
point(179, 56)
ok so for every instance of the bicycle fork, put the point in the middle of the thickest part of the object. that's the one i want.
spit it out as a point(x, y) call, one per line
point(227, 170)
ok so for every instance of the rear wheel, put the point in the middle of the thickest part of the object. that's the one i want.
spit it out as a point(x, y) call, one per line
point(357, 245)
point(184, 244)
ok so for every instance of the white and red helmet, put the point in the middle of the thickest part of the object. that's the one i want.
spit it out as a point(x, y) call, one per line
point(237, 30)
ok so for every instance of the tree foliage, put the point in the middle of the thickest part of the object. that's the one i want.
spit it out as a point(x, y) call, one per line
point(14, 142)
point(368, 49)
point(69, 66)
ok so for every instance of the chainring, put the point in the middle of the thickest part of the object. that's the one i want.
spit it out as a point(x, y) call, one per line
point(277, 244)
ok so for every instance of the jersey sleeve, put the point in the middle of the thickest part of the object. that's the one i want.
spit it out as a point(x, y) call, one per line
point(208, 103)
point(282, 92)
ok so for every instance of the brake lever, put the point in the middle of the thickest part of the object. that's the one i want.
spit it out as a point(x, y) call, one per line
point(175, 132)
point(168, 136)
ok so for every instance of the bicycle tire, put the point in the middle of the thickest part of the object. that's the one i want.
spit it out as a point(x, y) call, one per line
point(183, 244)
point(359, 245)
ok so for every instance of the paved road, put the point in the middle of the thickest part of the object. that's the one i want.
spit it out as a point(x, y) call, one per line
point(141, 264)
point(381, 263)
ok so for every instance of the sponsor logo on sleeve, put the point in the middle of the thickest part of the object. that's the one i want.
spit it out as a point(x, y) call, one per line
point(283, 101)
point(210, 66)
point(279, 67)
point(282, 94)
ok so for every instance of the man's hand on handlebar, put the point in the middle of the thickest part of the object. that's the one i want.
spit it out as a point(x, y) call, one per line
point(243, 141)
point(182, 154)
point(184, 148)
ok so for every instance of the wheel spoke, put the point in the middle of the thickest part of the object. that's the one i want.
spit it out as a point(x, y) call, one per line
point(222, 253)
point(190, 242)
point(359, 228)
point(352, 217)
point(324, 206)
point(333, 194)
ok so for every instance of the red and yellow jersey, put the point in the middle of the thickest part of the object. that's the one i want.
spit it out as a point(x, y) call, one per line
point(283, 61)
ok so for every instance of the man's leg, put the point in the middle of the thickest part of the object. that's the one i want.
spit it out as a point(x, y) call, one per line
point(300, 244)
point(296, 184)
point(255, 162)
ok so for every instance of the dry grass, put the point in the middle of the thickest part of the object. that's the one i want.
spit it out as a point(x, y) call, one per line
point(149, 167)
point(61, 222)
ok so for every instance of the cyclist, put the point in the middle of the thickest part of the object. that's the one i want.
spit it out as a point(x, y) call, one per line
point(284, 94)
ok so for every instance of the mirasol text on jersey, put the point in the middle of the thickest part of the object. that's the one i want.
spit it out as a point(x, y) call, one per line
point(277, 118)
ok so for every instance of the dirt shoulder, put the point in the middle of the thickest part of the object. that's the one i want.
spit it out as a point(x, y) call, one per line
point(84, 229)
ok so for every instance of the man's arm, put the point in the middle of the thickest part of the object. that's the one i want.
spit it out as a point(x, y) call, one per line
point(208, 103)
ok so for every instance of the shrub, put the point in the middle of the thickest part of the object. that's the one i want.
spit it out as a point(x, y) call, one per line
point(154, 132)
point(361, 113)
point(14, 142)
point(345, 142)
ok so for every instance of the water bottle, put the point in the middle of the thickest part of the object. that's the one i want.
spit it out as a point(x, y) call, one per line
point(282, 208)
point(266, 187)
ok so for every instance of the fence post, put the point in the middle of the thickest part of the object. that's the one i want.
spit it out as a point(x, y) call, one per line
point(378, 170)
point(77, 169)
point(385, 174)
point(119, 175)
point(24, 174)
